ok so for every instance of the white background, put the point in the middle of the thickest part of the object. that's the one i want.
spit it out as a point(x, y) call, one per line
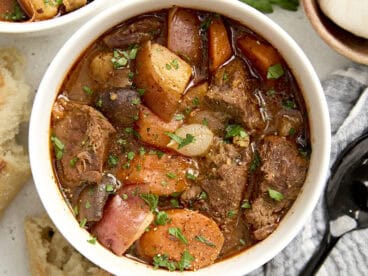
point(39, 53)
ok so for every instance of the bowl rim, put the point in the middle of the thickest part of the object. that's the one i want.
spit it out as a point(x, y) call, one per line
point(318, 116)
point(53, 23)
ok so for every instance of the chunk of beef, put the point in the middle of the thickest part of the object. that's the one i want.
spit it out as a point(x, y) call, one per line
point(85, 134)
point(284, 170)
point(135, 33)
point(231, 91)
point(227, 168)
point(119, 105)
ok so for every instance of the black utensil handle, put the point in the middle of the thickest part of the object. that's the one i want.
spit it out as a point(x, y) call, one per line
point(319, 256)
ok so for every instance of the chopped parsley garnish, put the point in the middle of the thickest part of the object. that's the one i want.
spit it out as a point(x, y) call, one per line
point(204, 240)
point(175, 64)
point(92, 240)
point(130, 155)
point(266, 5)
point(142, 151)
point(171, 175)
point(141, 91)
point(87, 90)
point(126, 165)
point(88, 205)
point(195, 101)
point(225, 76)
point(163, 183)
point(275, 71)
point(76, 210)
point(231, 213)
point(275, 194)
point(162, 218)
point(292, 131)
point(179, 117)
point(190, 176)
point(73, 161)
point(235, 130)
point(245, 205)
point(289, 104)
point(138, 167)
point(163, 261)
point(58, 147)
point(124, 196)
point(156, 152)
point(256, 162)
point(181, 141)
point(168, 66)
point(136, 101)
point(242, 242)
point(271, 92)
point(185, 261)
point(174, 202)
point(112, 160)
point(176, 232)
point(99, 103)
point(130, 76)
point(16, 15)
point(205, 122)
point(151, 200)
point(109, 188)
point(83, 223)
point(205, 24)
point(203, 195)
point(120, 58)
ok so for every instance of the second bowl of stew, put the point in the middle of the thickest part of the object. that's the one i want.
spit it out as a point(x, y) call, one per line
point(170, 136)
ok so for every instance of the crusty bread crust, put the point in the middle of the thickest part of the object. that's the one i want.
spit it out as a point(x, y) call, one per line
point(15, 97)
point(51, 255)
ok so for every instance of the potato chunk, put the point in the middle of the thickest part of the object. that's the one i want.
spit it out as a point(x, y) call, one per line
point(164, 76)
point(152, 129)
point(162, 175)
point(203, 237)
point(260, 53)
point(219, 44)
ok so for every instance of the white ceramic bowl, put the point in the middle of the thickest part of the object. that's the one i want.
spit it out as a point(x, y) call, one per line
point(49, 26)
point(318, 119)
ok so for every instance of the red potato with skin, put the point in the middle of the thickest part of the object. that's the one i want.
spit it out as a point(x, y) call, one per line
point(260, 53)
point(123, 222)
point(183, 35)
point(152, 128)
point(160, 176)
point(164, 77)
point(193, 225)
point(219, 44)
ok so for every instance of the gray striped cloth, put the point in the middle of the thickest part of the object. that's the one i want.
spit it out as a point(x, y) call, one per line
point(347, 96)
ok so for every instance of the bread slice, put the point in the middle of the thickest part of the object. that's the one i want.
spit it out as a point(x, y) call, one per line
point(15, 98)
point(51, 255)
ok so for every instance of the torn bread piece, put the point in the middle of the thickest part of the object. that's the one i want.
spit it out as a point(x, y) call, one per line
point(15, 98)
point(50, 254)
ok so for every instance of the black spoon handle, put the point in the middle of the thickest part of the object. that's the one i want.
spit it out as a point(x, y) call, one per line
point(319, 256)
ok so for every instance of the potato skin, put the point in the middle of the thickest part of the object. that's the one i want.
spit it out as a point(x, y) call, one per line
point(192, 224)
point(219, 44)
point(164, 77)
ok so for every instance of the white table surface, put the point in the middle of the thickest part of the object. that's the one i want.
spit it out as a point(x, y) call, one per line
point(39, 53)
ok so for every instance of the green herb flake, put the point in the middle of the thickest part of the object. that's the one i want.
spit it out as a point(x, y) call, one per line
point(275, 194)
point(130, 155)
point(164, 183)
point(271, 92)
point(179, 117)
point(16, 15)
point(205, 122)
point(175, 64)
point(205, 24)
point(163, 261)
point(185, 261)
point(76, 210)
point(275, 71)
point(205, 241)
point(136, 101)
point(245, 205)
point(130, 76)
point(141, 91)
point(83, 223)
point(242, 242)
point(142, 151)
point(87, 90)
point(174, 202)
point(124, 196)
point(256, 162)
point(289, 104)
point(190, 176)
point(231, 213)
point(168, 66)
point(58, 147)
point(119, 59)
point(88, 205)
point(189, 138)
point(203, 196)
point(109, 188)
point(235, 130)
point(151, 200)
point(73, 161)
point(292, 131)
point(162, 218)
point(195, 101)
point(171, 175)
point(99, 103)
point(138, 167)
point(126, 165)
point(112, 160)
point(225, 76)
point(92, 240)
point(176, 232)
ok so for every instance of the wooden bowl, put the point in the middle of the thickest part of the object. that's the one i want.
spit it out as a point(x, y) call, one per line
point(342, 41)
